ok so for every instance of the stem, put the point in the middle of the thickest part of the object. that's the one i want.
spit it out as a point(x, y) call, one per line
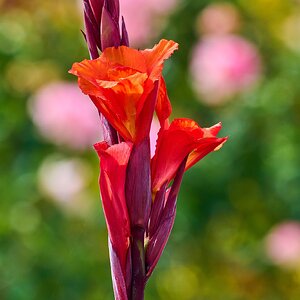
point(138, 263)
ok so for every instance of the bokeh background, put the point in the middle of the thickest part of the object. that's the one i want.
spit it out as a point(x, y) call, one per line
point(237, 232)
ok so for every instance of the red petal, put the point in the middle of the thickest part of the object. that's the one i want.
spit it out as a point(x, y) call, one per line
point(205, 146)
point(113, 165)
point(163, 106)
point(182, 138)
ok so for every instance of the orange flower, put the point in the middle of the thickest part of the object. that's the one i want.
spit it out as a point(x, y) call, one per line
point(127, 86)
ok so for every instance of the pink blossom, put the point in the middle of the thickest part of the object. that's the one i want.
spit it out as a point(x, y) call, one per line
point(219, 18)
point(65, 116)
point(142, 17)
point(223, 66)
point(64, 181)
point(283, 244)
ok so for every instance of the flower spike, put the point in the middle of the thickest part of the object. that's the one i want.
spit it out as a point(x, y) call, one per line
point(138, 193)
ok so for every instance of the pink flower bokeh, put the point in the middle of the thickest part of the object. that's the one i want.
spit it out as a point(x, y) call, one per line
point(283, 244)
point(219, 18)
point(144, 18)
point(222, 66)
point(65, 116)
point(64, 181)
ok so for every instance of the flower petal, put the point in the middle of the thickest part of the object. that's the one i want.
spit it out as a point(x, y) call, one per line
point(163, 106)
point(156, 56)
point(184, 137)
point(113, 165)
point(123, 84)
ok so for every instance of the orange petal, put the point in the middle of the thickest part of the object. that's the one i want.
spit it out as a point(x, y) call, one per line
point(125, 56)
point(156, 56)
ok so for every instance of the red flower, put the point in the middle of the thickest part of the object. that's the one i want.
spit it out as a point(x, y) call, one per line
point(126, 85)
point(184, 138)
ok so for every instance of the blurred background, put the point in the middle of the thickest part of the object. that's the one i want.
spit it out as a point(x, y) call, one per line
point(237, 232)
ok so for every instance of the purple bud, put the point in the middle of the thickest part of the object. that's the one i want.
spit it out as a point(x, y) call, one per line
point(158, 241)
point(125, 39)
point(157, 244)
point(172, 196)
point(157, 209)
point(96, 6)
point(109, 31)
point(113, 7)
point(138, 186)
point(90, 38)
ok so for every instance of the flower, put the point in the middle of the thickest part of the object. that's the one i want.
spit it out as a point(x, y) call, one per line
point(139, 200)
point(178, 148)
point(219, 18)
point(282, 244)
point(223, 66)
point(138, 197)
point(64, 181)
point(123, 84)
point(64, 116)
point(183, 139)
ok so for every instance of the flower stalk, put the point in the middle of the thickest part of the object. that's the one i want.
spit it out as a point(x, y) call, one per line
point(138, 192)
point(138, 263)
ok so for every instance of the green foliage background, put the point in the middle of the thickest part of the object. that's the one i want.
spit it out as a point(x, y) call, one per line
point(228, 202)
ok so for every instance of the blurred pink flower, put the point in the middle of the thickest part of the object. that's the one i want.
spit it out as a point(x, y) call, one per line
point(283, 244)
point(219, 18)
point(65, 116)
point(223, 66)
point(64, 181)
point(142, 18)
